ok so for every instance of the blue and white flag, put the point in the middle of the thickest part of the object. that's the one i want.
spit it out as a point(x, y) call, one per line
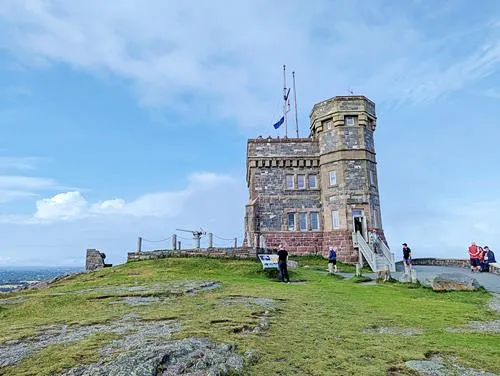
point(278, 124)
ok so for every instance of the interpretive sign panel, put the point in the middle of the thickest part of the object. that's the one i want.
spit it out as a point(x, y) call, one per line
point(268, 261)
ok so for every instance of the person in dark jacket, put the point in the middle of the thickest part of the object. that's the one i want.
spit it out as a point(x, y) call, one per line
point(406, 257)
point(489, 257)
point(332, 260)
point(282, 264)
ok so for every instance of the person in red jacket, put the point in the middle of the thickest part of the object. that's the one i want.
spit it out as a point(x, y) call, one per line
point(474, 256)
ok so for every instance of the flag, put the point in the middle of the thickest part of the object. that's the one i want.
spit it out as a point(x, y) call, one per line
point(278, 124)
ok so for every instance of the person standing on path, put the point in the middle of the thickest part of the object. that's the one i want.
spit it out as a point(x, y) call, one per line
point(332, 261)
point(282, 264)
point(407, 256)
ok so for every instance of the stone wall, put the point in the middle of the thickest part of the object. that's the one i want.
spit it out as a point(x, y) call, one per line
point(297, 243)
point(95, 260)
point(210, 252)
point(462, 263)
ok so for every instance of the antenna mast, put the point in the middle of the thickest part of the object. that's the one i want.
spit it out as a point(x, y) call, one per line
point(285, 97)
point(295, 104)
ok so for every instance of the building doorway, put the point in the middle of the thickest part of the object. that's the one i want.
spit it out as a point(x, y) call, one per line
point(359, 222)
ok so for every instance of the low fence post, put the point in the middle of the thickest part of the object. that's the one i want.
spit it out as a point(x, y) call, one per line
point(210, 240)
point(174, 242)
point(139, 244)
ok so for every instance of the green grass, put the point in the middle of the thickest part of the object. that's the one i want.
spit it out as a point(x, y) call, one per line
point(317, 330)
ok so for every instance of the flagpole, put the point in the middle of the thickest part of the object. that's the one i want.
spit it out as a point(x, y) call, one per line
point(295, 104)
point(284, 100)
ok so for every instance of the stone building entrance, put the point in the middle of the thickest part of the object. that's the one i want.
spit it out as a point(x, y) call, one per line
point(359, 222)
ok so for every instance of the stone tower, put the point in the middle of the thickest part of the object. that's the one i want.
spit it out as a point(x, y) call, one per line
point(313, 193)
point(344, 127)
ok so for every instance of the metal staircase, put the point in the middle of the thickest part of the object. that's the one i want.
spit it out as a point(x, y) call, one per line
point(378, 261)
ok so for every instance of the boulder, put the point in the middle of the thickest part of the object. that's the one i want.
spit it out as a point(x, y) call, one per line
point(453, 282)
point(405, 278)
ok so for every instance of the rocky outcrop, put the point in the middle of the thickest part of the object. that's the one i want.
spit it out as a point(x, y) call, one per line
point(452, 282)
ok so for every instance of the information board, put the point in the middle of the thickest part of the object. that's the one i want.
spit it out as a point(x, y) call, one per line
point(268, 261)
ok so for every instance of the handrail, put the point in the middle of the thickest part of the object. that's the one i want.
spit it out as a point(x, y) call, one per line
point(366, 251)
point(387, 254)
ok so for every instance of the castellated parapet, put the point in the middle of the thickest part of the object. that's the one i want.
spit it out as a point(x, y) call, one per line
point(313, 193)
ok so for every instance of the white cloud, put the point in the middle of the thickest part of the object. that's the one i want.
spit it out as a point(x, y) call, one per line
point(68, 205)
point(18, 163)
point(13, 187)
point(73, 205)
point(179, 54)
point(71, 223)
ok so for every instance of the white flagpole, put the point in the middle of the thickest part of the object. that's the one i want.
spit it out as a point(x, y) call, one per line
point(284, 101)
point(295, 104)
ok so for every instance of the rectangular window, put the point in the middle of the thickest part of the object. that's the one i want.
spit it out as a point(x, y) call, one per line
point(335, 219)
point(372, 177)
point(350, 120)
point(289, 182)
point(314, 221)
point(301, 181)
point(333, 177)
point(303, 221)
point(313, 181)
point(291, 221)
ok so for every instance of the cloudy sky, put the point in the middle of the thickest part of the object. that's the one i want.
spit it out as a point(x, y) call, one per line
point(120, 119)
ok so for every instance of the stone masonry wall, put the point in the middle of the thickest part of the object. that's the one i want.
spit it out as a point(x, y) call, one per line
point(316, 243)
point(297, 243)
point(462, 263)
point(284, 147)
point(94, 260)
point(242, 252)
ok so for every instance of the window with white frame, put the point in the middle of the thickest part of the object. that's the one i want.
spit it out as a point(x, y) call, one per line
point(303, 221)
point(301, 181)
point(291, 222)
point(289, 182)
point(332, 175)
point(314, 217)
point(313, 181)
point(350, 120)
point(335, 219)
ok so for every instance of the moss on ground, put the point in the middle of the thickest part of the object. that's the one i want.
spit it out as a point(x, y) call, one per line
point(317, 327)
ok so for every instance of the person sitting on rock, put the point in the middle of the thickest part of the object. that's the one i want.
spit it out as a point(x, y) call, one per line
point(489, 257)
point(474, 256)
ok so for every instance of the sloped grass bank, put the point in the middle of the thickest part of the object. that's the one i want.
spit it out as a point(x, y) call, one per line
point(314, 328)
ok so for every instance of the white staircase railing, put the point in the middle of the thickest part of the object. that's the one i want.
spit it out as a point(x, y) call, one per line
point(376, 261)
point(387, 254)
point(365, 250)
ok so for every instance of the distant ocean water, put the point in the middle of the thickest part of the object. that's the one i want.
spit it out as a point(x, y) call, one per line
point(15, 277)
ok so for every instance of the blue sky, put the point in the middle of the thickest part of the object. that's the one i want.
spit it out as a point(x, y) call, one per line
point(132, 119)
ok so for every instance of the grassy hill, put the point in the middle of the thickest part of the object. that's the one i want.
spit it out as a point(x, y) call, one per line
point(189, 312)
